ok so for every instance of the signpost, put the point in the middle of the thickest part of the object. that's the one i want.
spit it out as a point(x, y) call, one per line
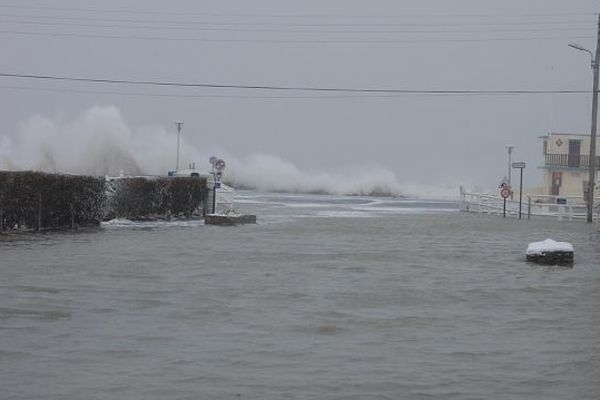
point(505, 193)
point(520, 165)
point(218, 166)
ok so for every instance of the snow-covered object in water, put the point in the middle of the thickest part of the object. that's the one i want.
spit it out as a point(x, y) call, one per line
point(550, 252)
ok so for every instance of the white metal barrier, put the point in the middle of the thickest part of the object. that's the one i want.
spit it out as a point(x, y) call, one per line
point(560, 207)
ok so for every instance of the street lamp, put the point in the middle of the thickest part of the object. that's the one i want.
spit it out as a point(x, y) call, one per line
point(178, 124)
point(579, 47)
point(592, 162)
point(510, 149)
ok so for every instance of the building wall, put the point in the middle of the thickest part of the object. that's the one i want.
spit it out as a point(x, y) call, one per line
point(573, 179)
point(573, 182)
point(558, 143)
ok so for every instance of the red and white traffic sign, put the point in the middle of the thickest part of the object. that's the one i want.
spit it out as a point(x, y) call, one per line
point(505, 193)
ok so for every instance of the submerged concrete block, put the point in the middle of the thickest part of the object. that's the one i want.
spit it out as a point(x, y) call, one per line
point(217, 219)
point(550, 252)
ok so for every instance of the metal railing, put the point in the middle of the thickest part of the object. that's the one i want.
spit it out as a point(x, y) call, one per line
point(574, 208)
point(569, 160)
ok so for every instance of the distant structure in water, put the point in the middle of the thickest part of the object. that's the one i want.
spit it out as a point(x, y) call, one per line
point(218, 207)
point(220, 195)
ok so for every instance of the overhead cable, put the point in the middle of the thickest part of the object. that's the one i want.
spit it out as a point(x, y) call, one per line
point(322, 89)
point(301, 24)
point(285, 41)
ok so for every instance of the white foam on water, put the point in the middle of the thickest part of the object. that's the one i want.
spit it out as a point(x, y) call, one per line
point(344, 214)
point(119, 223)
point(403, 210)
point(308, 205)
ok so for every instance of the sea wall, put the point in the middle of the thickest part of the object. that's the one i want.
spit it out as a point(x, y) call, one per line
point(38, 201)
point(155, 198)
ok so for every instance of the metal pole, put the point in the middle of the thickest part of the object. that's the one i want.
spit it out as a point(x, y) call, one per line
point(510, 148)
point(592, 177)
point(214, 199)
point(521, 193)
point(504, 209)
point(179, 125)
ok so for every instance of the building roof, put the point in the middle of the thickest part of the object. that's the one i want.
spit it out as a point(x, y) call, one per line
point(546, 136)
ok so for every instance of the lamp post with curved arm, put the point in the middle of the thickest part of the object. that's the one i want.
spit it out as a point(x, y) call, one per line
point(592, 162)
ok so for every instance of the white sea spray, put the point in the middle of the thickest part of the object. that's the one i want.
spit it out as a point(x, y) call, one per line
point(101, 142)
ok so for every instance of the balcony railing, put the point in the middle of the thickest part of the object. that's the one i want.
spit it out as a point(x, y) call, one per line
point(569, 160)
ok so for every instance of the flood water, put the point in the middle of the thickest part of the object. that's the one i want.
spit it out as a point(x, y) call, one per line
point(326, 298)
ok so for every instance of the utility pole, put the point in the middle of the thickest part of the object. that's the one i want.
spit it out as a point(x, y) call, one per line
point(592, 178)
point(179, 125)
point(592, 162)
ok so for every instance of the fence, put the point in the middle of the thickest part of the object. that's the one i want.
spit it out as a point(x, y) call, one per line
point(559, 207)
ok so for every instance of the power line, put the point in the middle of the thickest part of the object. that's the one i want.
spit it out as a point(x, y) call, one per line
point(301, 24)
point(220, 29)
point(240, 97)
point(286, 88)
point(280, 15)
point(285, 41)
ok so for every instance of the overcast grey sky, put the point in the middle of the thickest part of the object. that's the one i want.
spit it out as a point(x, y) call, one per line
point(473, 45)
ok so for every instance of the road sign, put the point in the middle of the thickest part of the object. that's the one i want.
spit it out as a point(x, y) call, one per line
point(518, 165)
point(217, 185)
point(505, 193)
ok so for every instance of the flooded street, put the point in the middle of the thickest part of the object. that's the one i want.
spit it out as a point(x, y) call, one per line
point(326, 298)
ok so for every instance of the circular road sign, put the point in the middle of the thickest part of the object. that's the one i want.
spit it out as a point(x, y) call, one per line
point(505, 193)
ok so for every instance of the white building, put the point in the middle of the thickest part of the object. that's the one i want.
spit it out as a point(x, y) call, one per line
point(566, 164)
